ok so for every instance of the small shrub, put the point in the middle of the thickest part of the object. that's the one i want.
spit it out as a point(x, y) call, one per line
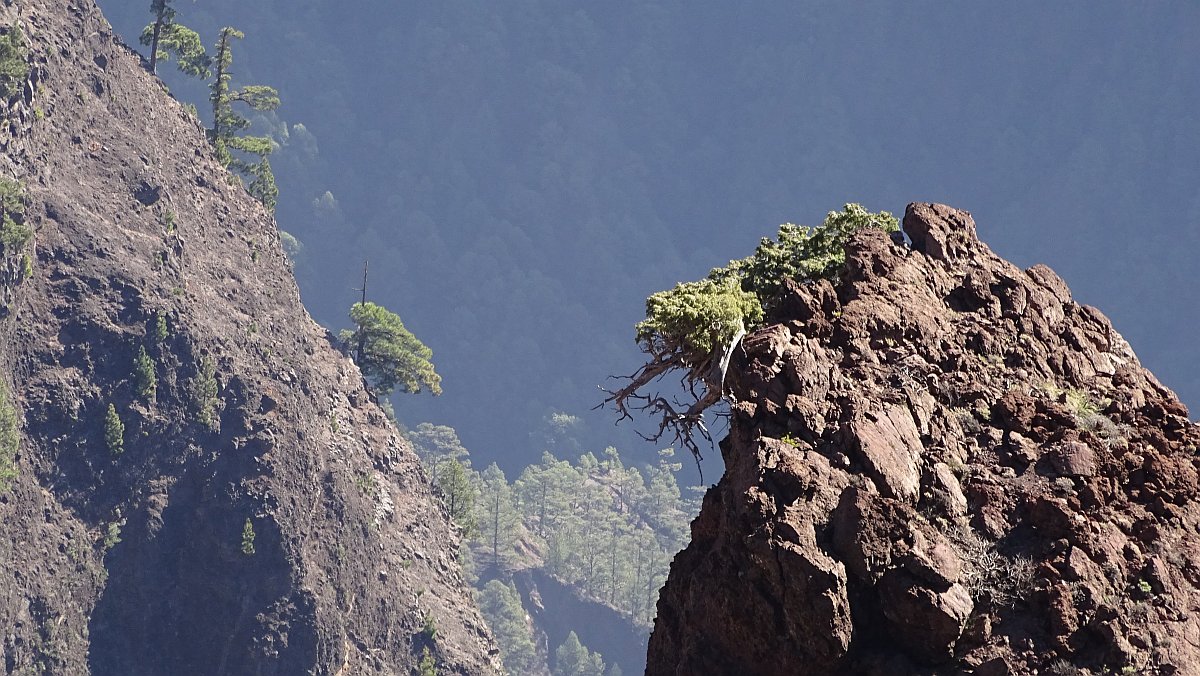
point(429, 630)
point(10, 440)
point(990, 575)
point(112, 537)
point(159, 331)
point(427, 667)
point(366, 484)
point(14, 234)
point(204, 394)
point(169, 222)
point(14, 69)
point(114, 431)
point(1063, 668)
point(26, 266)
point(145, 381)
point(248, 538)
point(1081, 404)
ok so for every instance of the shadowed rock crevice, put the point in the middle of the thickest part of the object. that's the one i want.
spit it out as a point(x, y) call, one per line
point(940, 462)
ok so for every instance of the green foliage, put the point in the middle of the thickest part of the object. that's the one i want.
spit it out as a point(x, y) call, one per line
point(159, 330)
point(228, 123)
point(501, 606)
point(694, 326)
point(609, 529)
point(14, 233)
point(389, 355)
point(572, 658)
point(292, 247)
point(14, 69)
point(445, 458)
point(497, 519)
point(454, 481)
point(427, 666)
point(10, 439)
point(114, 431)
point(26, 266)
point(144, 380)
point(178, 41)
point(248, 538)
point(429, 627)
point(203, 394)
point(262, 185)
point(112, 536)
point(695, 318)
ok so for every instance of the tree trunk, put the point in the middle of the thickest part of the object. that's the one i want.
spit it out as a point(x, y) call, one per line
point(158, 24)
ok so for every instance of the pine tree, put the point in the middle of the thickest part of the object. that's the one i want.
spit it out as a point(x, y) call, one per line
point(572, 658)
point(228, 123)
point(454, 481)
point(166, 38)
point(145, 380)
point(389, 354)
point(114, 431)
point(501, 607)
point(498, 519)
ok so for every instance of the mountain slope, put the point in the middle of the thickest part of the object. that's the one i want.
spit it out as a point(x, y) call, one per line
point(940, 463)
point(257, 513)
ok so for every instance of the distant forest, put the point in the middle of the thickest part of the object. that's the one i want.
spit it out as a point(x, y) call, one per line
point(606, 529)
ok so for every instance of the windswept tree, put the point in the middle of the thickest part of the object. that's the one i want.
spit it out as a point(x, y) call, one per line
point(245, 154)
point(694, 328)
point(389, 355)
point(167, 38)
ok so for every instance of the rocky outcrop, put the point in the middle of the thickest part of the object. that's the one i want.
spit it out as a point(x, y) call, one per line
point(259, 515)
point(941, 464)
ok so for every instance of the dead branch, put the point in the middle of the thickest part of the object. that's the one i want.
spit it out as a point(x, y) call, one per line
point(703, 379)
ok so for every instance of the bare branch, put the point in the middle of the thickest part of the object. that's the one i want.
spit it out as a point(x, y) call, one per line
point(703, 379)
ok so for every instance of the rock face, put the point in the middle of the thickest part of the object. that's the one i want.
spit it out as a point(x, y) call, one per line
point(941, 464)
point(260, 516)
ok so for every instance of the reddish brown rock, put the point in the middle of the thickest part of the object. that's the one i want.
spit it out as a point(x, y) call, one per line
point(990, 483)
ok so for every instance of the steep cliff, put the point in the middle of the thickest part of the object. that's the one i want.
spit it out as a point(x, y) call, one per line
point(941, 463)
point(231, 500)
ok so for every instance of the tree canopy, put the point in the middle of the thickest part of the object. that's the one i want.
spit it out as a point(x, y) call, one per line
point(228, 123)
point(695, 326)
point(166, 38)
point(389, 355)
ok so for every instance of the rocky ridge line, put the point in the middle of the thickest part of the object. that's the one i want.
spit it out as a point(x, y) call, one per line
point(941, 464)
